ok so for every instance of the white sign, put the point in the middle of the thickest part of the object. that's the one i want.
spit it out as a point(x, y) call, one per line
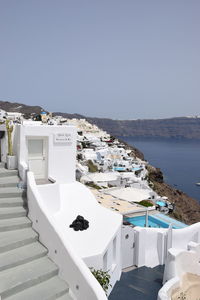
point(63, 138)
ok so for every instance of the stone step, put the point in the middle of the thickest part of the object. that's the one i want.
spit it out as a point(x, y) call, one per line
point(11, 181)
point(147, 274)
point(141, 284)
point(14, 223)
point(21, 255)
point(10, 240)
point(2, 165)
point(12, 212)
point(19, 278)
point(11, 202)
point(53, 288)
point(11, 192)
point(7, 173)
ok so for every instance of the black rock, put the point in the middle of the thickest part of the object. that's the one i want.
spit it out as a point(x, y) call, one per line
point(79, 223)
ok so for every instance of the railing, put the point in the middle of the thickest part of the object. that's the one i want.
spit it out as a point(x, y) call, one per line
point(82, 283)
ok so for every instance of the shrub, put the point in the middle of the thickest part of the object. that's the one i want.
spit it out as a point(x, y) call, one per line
point(93, 185)
point(102, 277)
point(145, 203)
point(92, 167)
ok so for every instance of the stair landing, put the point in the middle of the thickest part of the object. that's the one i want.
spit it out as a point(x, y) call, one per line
point(139, 284)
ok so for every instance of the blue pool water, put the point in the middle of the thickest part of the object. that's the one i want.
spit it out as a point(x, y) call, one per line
point(119, 169)
point(156, 221)
point(160, 203)
point(124, 168)
point(136, 169)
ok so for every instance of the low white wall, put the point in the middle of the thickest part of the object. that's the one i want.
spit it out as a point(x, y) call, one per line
point(166, 291)
point(100, 245)
point(152, 243)
point(71, 267)
point(182, 237)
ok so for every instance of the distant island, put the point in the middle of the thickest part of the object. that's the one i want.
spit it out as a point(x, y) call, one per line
point(177, 128)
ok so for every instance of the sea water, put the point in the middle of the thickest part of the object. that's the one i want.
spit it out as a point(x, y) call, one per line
point(179, 160)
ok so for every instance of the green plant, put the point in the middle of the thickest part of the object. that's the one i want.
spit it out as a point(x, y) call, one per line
point(93, 185)
point(145, 203)
point(102, 277)
point(9, 132)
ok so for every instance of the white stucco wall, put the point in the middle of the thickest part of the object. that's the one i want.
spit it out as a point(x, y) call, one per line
point(100, 245)
point(152, 243)
point(61, 155)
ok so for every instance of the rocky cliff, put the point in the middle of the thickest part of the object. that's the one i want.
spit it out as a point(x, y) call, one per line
point(178, 128)
point(187, 208)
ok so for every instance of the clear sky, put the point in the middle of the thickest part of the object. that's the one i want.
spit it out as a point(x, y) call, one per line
point(123, 59)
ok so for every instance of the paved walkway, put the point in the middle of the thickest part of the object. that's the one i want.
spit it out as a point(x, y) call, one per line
point(139, 284)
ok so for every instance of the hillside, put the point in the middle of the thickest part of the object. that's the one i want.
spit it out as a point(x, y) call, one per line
point(182, 127)
point(187, 208)
point(27, 110)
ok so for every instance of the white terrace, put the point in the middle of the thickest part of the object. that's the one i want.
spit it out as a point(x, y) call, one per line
point(46, 160)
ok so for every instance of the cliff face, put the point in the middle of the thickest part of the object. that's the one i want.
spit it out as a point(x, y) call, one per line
point(187, 208)
point(162, 128)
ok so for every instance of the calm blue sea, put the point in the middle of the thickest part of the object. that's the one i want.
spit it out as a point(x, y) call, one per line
point(179, 160)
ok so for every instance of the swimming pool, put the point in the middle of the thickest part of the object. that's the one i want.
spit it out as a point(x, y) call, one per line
point(137, 169)
point(119, 169)
point(160, 203)
point(156, 221)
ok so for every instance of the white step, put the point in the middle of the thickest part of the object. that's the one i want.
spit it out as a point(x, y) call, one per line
point(10, 202)
point(14, 223)
point(11, 181)
point(12, 212)
point(11, 192)
point(19, 278)
point(47, 290)
point(13, 239)
point(21, 255)
point(6, 173)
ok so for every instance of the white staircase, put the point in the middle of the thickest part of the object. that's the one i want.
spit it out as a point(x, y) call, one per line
point(26, 272)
